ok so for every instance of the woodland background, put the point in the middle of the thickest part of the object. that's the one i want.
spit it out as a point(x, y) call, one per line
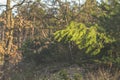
point(60, 40)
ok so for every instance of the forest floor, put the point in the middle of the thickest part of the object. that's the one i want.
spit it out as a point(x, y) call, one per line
point(62, 71)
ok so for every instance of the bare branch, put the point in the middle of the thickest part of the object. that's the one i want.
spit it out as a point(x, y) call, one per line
point(2, 5)
point(19, 4)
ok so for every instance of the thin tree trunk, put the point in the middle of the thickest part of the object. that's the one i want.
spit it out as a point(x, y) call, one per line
point(9, 27)
point(3, 33)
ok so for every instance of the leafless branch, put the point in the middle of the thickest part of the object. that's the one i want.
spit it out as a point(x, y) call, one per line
point(2, 5)
point(19, 4)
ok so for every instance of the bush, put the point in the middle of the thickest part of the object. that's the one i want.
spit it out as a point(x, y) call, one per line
point(47, 51)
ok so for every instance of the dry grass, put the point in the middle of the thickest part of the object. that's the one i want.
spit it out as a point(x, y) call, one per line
point(61, 71)
point(103, 74)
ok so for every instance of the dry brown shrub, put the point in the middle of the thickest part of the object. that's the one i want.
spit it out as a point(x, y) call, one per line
point(15, 56)
point(2, 51)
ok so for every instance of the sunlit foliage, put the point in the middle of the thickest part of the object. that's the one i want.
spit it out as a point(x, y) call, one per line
point(92, 38)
